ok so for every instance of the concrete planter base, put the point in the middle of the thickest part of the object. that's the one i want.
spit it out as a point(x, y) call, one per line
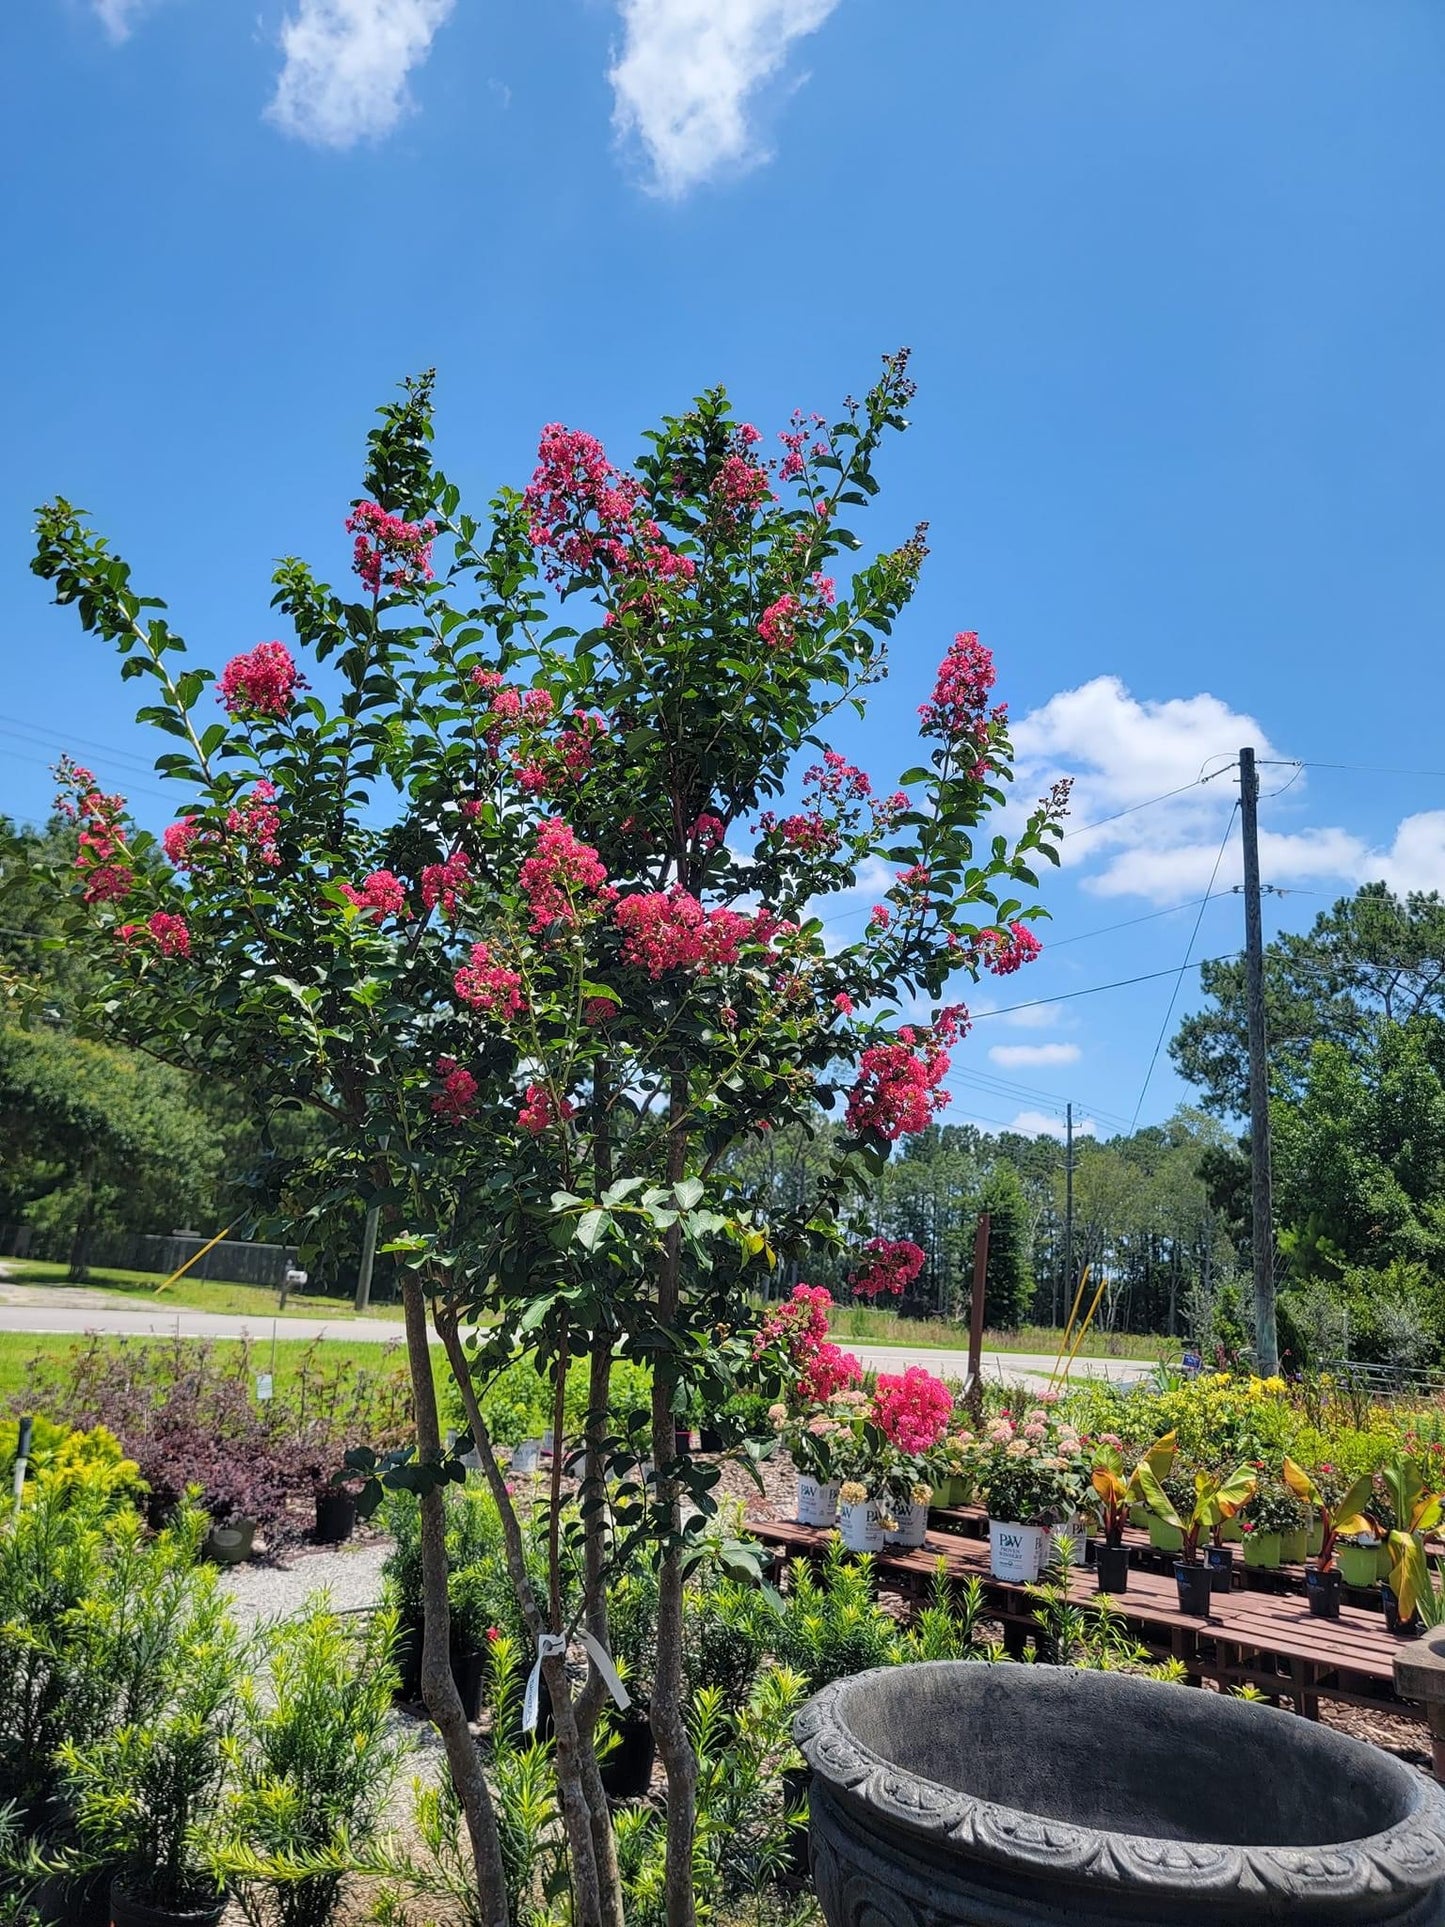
point(955, 1794)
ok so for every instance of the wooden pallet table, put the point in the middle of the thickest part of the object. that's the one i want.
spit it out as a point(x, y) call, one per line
point(1268, 1640)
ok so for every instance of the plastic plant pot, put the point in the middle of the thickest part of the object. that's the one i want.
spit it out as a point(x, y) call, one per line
point(1111, 1563)
point(1220, 1561)
point(1322, 1590)
point(1195, 1589)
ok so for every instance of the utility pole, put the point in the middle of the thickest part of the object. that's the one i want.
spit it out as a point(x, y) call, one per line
point(1068, 1201)
point(1266, 1341)
point(368, 1258)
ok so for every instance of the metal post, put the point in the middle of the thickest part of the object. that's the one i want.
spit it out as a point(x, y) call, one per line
point(1266, 1341)
point(973, 1388)
point(1068, 1198)
point(368, 1258)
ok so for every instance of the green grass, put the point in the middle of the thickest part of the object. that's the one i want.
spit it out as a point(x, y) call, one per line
point(190, 1294)
point(871, 1326)
point(18, 1349)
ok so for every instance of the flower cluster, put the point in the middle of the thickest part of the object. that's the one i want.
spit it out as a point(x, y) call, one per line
point(550, 766)
point(261, 682)
point(958, 709)
point(892, 1266)
point(739, 485)
point(794, 1339)
point(179, 841)
point(169, 933)
point(795, 441)
point(912, 1410)
point(584, 515)
point(383, 540)
point(256, 821)
point(666, 930)
point(458, 1093)
point(489, 986)
point(1033, 1470)
point(101, 856)
point(563, 879)
point(898, 1090)
point(540, 1110)
point(446, 883)
point(1004, 951)
point(777, 625)
point(381, 893)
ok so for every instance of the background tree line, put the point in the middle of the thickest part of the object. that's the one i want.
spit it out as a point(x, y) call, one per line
point(95, 1138)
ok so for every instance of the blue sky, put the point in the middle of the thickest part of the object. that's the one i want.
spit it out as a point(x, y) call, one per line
point(1172, 278)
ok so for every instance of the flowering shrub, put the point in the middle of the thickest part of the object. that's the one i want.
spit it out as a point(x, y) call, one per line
point(499, 917)
point(912, 1411)
point(1031, 1471)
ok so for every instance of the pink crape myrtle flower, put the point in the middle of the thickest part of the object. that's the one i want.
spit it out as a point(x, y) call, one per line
point(1003, 953)
point(381, 893)
point(897, 1091)
point(178, 842)
point(564, 879)
point(540, 1110)
point(262, 682)
point(489, 986)
point(383, 539)
point(256, 821)
point(913, 1409)
point(446, 883)
point(893, 1265)
point(458, 1093)
point(670, 930)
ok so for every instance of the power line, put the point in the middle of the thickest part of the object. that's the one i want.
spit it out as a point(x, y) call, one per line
point(1121, 983)
point(1358, 769)
point(1060, 943)
point(1188, 952)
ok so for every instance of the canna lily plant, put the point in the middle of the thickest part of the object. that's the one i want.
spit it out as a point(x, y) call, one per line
point(1348, 1516)
point(1216, 1498)
point(1417, 1511)
point(1119, 1490)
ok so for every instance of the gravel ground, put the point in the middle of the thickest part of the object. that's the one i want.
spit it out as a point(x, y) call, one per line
point(351, 1573)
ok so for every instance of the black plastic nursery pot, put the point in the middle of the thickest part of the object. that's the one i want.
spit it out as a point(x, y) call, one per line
point(1196, 1587)
point(230, 1543)
point(1111, 1563)
point(335, 1515)
point(128, 1911)
point(1322, 1591)
point(406, 1657)
point(469, 1670)
point(795, 1795)
point(79, 1900)
point(1401, 1628)
point(1220, 1561)
point(627, 1770)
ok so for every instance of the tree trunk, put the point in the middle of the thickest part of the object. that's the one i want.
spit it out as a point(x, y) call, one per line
point(439, 1688)
point(574, 1759)
point(669, 1724)
point(596, 1549)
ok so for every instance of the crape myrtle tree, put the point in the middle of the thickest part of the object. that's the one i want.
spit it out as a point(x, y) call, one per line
point(515, 865)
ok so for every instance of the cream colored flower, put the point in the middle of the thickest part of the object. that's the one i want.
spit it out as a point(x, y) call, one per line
point(921, 1494)
point(851, 1493)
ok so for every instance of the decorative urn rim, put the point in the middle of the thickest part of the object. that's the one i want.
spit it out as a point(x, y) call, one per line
point(1407, 1858)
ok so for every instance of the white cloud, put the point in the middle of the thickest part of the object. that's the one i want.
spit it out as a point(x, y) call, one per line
point(1010, 1055)
point(1122, 752)
point(347, 63)
point(1416, 860)
point(119, 16)
point(1043, 1124)
point(682, 80)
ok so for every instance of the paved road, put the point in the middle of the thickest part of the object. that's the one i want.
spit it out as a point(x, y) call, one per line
point(39, 1310)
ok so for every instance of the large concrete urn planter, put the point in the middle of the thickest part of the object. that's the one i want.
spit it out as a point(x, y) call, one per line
point(958, 1794)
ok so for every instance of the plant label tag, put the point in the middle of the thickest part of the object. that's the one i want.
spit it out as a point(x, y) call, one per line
point(264, 1385)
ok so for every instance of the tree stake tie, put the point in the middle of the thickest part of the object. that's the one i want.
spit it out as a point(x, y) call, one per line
point(554, 1646)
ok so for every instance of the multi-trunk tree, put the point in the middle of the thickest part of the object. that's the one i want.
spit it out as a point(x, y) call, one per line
point(516, 868)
